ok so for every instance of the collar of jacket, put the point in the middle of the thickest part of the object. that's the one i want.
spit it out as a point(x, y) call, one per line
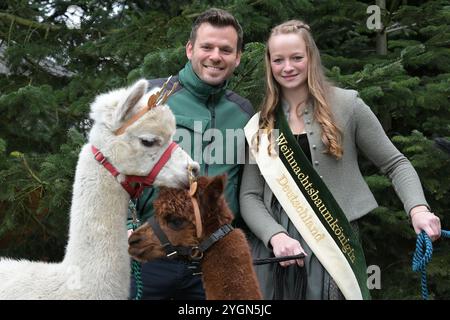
point(191, 82)
point(285, 106)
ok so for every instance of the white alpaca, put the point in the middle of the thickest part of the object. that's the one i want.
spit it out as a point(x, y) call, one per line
point(96, 264)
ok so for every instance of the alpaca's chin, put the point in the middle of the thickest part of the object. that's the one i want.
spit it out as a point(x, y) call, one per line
point(145, 254)
point(146, 258)
point(172, 183)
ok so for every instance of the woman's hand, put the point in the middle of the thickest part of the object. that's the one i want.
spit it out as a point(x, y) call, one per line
point(423, 219)
point(283, 245)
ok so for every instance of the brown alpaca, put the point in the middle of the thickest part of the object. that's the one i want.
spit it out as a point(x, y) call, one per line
point(227, 267)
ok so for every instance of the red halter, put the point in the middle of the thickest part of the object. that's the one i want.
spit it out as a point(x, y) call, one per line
point(140, 181)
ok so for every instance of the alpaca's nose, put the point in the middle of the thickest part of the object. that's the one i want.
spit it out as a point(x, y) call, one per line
point(194, 169)
point(134, 239)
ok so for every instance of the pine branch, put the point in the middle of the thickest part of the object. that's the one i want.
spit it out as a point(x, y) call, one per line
point(40, 224)
point(20, 155)
point(246, 73)
point(229, 8)
point(397, 27)
point(28, 23)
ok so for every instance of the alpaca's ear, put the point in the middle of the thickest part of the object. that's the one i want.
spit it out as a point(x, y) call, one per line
point(215, 188)
point(136, 92)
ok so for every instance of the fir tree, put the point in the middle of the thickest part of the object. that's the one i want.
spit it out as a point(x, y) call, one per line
point(53, 64)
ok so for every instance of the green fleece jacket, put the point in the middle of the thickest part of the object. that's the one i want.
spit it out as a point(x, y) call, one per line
point(210, 122)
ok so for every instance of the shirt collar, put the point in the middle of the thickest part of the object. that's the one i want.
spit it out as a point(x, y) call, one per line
point(190, 80)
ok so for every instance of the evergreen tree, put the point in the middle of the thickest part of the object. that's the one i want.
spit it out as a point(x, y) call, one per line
point(57, 55)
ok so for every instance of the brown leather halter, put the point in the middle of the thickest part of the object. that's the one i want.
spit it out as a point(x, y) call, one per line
point(155, 100)
point(192, 192)
point(193, 253)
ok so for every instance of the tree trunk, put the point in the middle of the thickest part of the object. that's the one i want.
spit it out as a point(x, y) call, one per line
point(381, 35)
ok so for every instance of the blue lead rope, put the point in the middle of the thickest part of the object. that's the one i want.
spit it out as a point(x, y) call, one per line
point(422, 256)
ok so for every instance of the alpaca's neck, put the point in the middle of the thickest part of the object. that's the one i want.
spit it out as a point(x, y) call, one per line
point(97, 218)
point(228, 271)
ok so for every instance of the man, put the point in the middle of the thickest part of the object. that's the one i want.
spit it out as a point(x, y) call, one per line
point(205, 113)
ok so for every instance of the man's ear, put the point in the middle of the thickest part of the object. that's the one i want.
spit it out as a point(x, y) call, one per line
point(238, 58)
point(189, 49)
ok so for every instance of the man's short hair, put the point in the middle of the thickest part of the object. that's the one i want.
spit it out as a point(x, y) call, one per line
point(217, 18)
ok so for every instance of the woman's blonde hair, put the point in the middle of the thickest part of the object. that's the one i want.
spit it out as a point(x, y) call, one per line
point(318, 88)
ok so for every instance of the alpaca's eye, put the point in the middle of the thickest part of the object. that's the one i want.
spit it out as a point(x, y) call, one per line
point(175, 223)
point(149, 143)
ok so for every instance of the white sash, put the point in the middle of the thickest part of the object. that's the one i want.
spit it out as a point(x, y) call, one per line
point(302, 215)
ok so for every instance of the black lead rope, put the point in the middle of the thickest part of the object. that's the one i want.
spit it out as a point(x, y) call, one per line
point(258, 262)
point(280, 273)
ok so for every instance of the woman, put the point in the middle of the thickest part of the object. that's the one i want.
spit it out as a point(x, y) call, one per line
point(306, 191)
